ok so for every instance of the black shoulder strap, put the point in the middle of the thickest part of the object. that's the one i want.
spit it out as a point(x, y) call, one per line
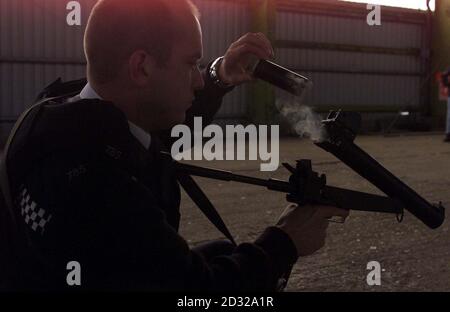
point(203, 203)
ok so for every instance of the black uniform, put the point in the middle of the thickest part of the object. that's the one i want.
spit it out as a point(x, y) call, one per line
point(86, 190)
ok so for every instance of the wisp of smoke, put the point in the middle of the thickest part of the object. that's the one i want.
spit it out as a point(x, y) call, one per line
point(304, 121)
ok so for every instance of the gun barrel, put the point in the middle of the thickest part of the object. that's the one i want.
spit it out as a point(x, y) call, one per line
point(271, 184)
point(345, 199)
point(357, 159)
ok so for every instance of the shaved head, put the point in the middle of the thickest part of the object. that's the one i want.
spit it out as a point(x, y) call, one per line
point(117, 28)
point(143, 56)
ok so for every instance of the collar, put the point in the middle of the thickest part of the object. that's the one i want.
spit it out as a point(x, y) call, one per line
point(143, 137)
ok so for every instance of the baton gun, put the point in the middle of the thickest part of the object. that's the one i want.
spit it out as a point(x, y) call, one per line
point(306, 186)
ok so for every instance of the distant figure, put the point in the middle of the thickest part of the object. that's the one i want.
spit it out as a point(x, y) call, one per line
point(446, 82)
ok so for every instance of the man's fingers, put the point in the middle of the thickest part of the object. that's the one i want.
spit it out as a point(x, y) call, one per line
point(330, 211)
point(267, 42)
point(323, 212)
point(256, 40)
point(336, 219)
point(250, 49)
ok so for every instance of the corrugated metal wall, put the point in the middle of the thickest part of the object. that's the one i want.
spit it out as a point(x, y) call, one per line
point(37, 46)
point(352, 64)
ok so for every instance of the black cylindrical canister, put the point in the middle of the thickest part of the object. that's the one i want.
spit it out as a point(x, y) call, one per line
point(281, 77)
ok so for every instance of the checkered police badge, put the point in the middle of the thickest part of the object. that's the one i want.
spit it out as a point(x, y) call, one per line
point(34, 216)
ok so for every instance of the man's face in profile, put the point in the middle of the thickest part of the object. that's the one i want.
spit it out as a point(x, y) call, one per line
point(172, 86)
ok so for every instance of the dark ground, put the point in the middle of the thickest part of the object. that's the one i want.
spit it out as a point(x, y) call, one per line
point(412, 256)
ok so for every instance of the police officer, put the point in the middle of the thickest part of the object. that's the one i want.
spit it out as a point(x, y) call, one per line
point(90, 186)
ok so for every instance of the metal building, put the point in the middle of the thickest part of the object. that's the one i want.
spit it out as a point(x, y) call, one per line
point(379, 68)
point(353, 65)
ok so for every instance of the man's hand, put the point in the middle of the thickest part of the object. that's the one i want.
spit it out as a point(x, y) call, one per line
point(240, 54)
point(307, 225)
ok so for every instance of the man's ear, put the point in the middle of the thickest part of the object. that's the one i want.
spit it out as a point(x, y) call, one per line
point(141, 67)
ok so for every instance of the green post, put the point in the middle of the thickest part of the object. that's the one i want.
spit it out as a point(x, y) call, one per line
point(261, 99)
point(440, 57)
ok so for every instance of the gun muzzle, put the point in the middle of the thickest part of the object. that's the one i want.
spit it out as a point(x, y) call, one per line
point(341, 128)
